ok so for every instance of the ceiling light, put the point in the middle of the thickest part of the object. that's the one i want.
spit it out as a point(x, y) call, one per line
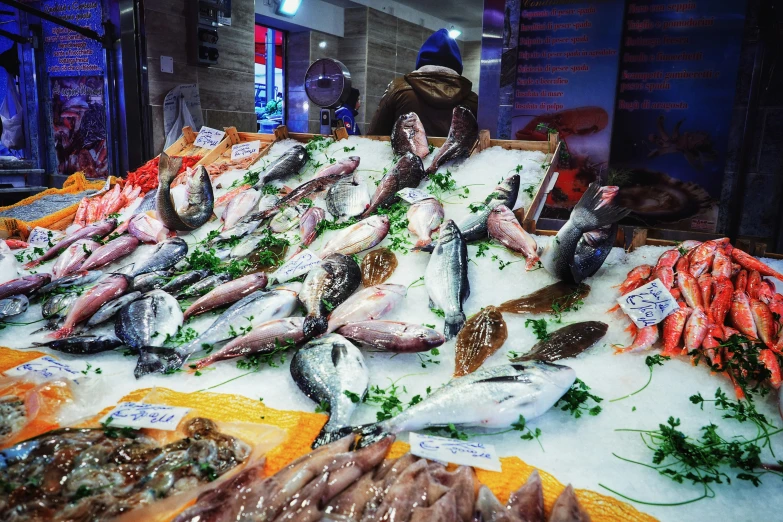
point(322, 45)
point(454, 33)
point(288, 7)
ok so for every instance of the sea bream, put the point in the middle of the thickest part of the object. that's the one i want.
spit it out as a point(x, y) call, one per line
point(474, 226)
point(463, 135)
point(424, 217)
point(348, 197)
point(408, 172)
point(200, 200)
point(595, 210)
point(358, 237)
point(331, 370)
point(408, 135)
point(239, 207)
point(287, 165)
point(446, 277)
point(325, 288)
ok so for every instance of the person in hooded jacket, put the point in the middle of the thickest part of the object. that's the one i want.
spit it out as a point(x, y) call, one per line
point(431, 91)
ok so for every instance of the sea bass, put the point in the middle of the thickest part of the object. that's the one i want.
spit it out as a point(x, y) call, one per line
point(594, 211)
point(148, 321)
point(503, 226)
point(592, 250)
point(369, 304)
point(287, 165)
point(408, 135)
point(408, 172)
point(446, 277)
point(424, 217)
point(200, 202)
point(347, 198)
point(474, 226)
point(74, 256)
point(392, 336)
point(91, 301)
point(111, 252)
point(325, 369)
point(325, 288)
point(96, 230)
point(463, 135)
point(568, 341)
point(165, 255)
point(358, 237)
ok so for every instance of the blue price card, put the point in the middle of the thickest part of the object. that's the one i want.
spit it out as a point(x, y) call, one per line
point(142, 415)
point(649, 304)
point(463, 452)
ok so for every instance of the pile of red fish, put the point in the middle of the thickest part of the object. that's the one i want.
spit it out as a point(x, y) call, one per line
point(721, 293)
point(100, 206)
point(146, 176)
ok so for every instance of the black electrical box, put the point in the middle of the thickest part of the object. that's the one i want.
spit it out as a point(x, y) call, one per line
point(203, 32)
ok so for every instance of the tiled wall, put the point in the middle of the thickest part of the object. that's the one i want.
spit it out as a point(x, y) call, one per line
point(227, 89)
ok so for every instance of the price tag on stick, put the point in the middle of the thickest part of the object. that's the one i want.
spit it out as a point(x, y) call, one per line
point(244, 150)
point(466, 453)
point(300, 264)
point(209, 138)
point(649, 304)
point(413, 195)
point(141, 415)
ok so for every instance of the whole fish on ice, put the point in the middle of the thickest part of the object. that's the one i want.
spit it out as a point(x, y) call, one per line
point(73, 257)
point(348, 197)
point(446, 277)
point(287, 165)
point(408, 172)
point(200, 200)
point(110, 252)
point(227, 293)
point(424, 217)
point(503, 226)
point(111, 308)
point(463, 135)
point(96, 230)
point(91, 301)
point(325, 288)
point(568, 341)
point(358, 237)
point(165, 255)
point(392, 336)
point(239, 207)
point(474, 226)
point(371, 303)
point(408, 135)
point(147, 228)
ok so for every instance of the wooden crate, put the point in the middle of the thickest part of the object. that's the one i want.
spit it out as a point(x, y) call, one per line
point(184, 146)
point(222, 153)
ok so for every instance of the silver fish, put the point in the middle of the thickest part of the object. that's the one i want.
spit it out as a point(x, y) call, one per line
point(201, 199)
point(368, 304)
point(490, 397)
point(239, 206)
point(110, 252)
point(424, 217)
point(408, 172)
point(239, 230)
point(111, 308)
point(474, 226)
point(325, 288)
point(184, 280)
point(358, 237)
point(80, 278)
point(148, 321)
point(83, 344)
point(392, 336)
point(287, 165)
point(58, 305)
point(347, 198)
point(594, 211)
point(151, 281)
point(73, 257)
point(325, 369)
point(317, 184)
point(408, 136)
point(147, 202)
point(463, 135)
point(165, 255)
point(257, 308)
point(204, 285)
point(12, 306)
point(446, 277)
point(96, 230)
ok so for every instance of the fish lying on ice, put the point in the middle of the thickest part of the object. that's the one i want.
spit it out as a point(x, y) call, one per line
point(378, 266)
point(568, 341)
point(446, 277)
point(13, 306)
point(358, 237)
point(502, 225)
point(200, 200)
point(474, 226)
point(408, 172)
point(25, 285)
point(239, 207)
point(91, 301)
point(73, 257)
point(542, 301)
point(325, 288)
point(110, 252)
point(287, 165)
point(98, 229)
point(83, 344)
point(227, 293)
point(348, 197)
point(392, 336)
point(165, 255)
point(369, 304)
point(147, 228)
point(424, 217)
point(110, 309)
point(482, 336)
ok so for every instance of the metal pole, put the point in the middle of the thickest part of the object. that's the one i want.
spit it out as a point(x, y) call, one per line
point(270, 65)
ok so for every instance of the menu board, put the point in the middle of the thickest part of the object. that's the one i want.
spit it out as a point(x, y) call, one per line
point(68, 53)
point(674, 107)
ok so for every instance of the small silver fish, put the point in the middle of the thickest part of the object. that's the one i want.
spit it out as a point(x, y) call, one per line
point(111, 308)
point(12, 306)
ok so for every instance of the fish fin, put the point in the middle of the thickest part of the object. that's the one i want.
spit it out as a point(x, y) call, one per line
point(422, 243)
point(62, 333)
point(369, 434)
point(593, 211)
point(329, 436)
point(156, 359)
point(531, 263)
point(429, 247)
point(453, 325)
point(168, 168)
point(313, 326)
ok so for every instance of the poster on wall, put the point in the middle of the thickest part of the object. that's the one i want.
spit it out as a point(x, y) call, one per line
point(69, 53)
point(674, 107)
point(79, 125)
point(568, 55)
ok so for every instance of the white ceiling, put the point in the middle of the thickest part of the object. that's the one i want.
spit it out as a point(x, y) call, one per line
point(461, 13)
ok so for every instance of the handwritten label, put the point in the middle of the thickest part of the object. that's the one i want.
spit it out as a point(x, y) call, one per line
point(47, 367)
point(244, 150)
point(140, 415)
point(468, 453)
point(300, 264)
point(209, 138)
point(413, 195)
point(649, 304)
point(44, 238)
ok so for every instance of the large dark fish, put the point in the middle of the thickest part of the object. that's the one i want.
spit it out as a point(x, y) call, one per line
point(325, 369)
point(97, 230)
point(593, 249)
point(542, 301)
point(184, 280)
point(474, 226)
point(408, 172)
point(482, 336)
point(594, 211)
point(463, 136)
point(148, 321)
point(83, 344)
point(201, 199)
point(25, 285)
point(446, 277)
point(408, 136)
point(308, 187)
point(568, 341)
point(325, 288)
point(165, 255)
point(287, 165)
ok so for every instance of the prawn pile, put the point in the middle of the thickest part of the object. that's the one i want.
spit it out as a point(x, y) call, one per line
point(729, 313)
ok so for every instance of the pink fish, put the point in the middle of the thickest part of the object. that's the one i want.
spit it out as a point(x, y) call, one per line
point(85, 306)
point(689, 288)
point(741, 315)
point(227, 293)
point(645, 338)
point(110, 252)
point(73, 258)
point(147, 229)
point(92, 231)
point(424, 217)
point(503, 226)
point(695, 330)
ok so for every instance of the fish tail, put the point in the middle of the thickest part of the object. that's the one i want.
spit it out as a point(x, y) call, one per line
point(421, 243)
point(312, 326)
point(454, 324)
point(65, 331)
point(596, 210)
point(329, 436)
point(369, 434)
point(168, 168)
point(154, 359)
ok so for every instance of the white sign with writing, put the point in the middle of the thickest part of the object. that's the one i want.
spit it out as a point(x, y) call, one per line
point(141, 415)
point(244, 150)
point(413, 195)
point(209, 138)
point(649, 304)
point(464, 452)
point(47, 367)
point(300, 264)
point(44, 238)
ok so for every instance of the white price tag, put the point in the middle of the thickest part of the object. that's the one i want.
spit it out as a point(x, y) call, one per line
point(413, 195)
point(300, 264)
point(44, 238)
point(209, 138)
point(243, 150)
point(47, 367)
point(141, 415)
point(649, 304)
point(463, 452)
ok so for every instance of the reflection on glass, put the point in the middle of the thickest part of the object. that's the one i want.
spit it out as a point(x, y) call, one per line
point(270, 86)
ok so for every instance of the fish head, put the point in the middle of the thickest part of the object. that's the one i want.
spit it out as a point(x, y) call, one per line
point(505, 193)
point(351, 163)
point(502, 213)
point(550, 380)
point(448, 232)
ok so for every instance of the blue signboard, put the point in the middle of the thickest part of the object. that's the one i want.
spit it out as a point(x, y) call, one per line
point(69, 53)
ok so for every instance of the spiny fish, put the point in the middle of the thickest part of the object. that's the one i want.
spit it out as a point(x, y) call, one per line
point(347, 198)
point(147, 228)
point(408, 135)
point(490, 397)
point(544, 300)
point(594, 211)
point(408, 172)
point(91, 301)
point(201, 199)
point(446, 277)
point(227, 293)
point(358, 237)
point(568, 341)
point(378, 266)
point(165, 255)
point(13, 306)
point(482, 336)
point(239, 207)
point(24, 285)
point(463, 135)
point(148, 321)
point(325, 369)
point(111, 308)
point(257, 308)
point(325, 288)
point(83, 344)
point(110, 252)
point(371, 303)
point(424, 217)
point(73, 257)
point(265, 338)
point(342, 166)
point(503, 226)
point(204, 285)
point(307, 188)
point(474, 226)
point(287, 165)
point(96, 230)
point(80, 278)
point(392, 336)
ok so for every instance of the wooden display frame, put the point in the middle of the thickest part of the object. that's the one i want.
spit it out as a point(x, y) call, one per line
point(185, 145)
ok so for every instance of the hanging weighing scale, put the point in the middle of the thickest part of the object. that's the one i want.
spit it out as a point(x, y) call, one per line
point(328, 85)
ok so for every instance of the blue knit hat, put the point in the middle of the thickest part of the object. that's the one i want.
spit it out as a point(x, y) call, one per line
point(440, 49)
